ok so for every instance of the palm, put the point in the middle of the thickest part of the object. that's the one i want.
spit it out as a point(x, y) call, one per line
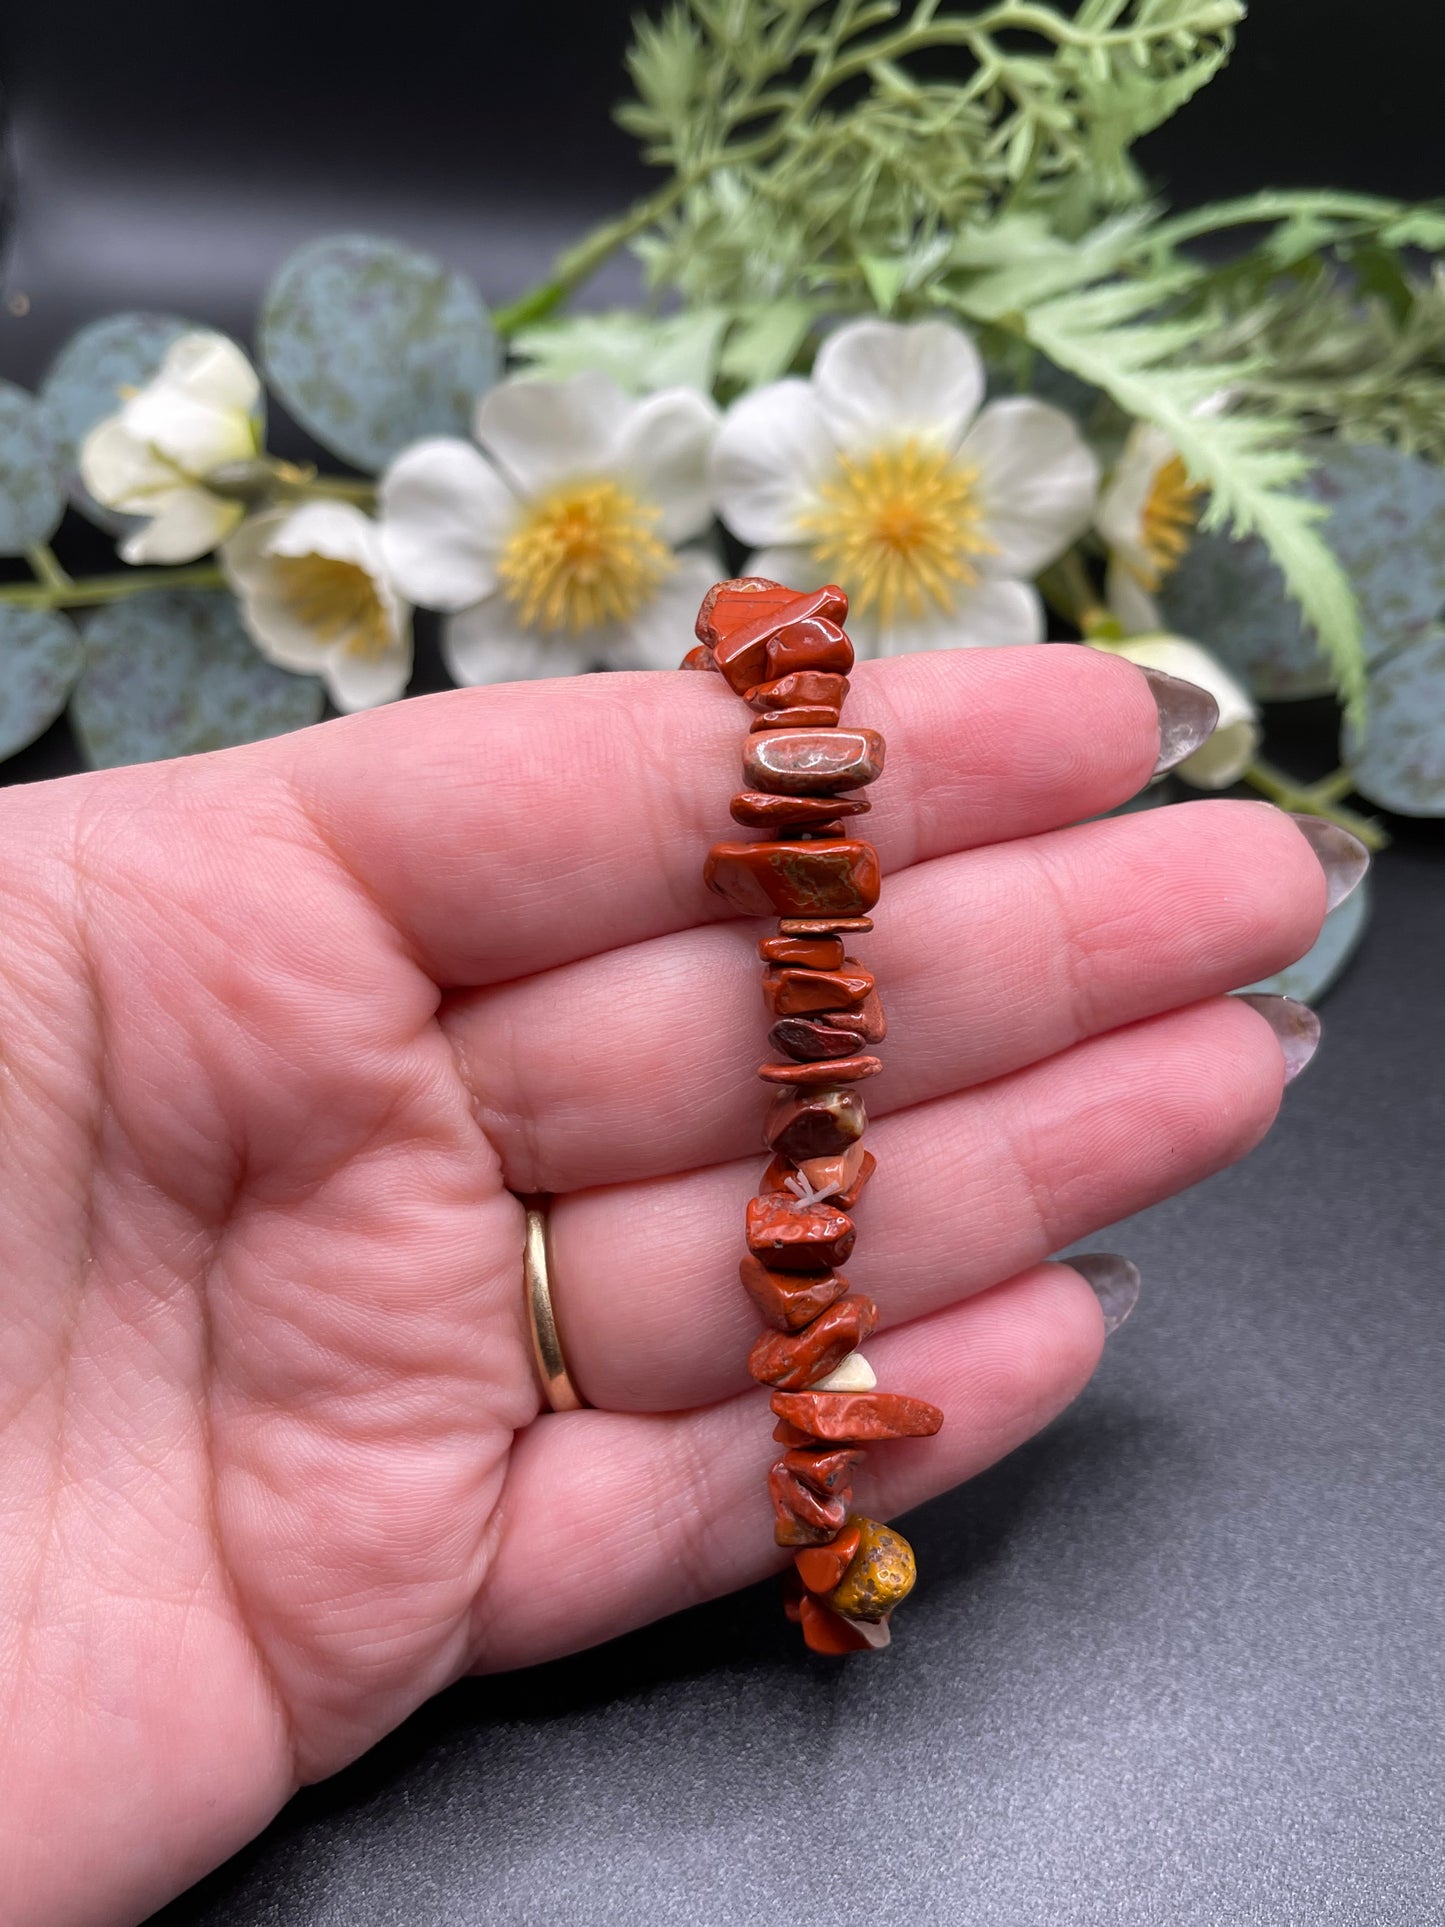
point(287, 1030)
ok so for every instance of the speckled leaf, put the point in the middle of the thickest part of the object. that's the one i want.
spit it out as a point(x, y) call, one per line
point(172, 672)
point(372, 346)
point(1399, 755)
point(1312, 976)
point(1387, 526)
point(84, 387)
point(40, 654)
point(32, 497)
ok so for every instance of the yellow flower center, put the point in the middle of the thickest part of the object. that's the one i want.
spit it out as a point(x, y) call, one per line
point(585, 554)
point(337, 601)
point(900, 526)
point(1170, 512)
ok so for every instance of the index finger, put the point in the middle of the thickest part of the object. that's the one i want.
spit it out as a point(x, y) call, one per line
point(509, 829)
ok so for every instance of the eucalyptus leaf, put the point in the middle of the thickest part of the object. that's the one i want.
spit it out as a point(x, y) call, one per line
point(763, 340)
point(172, 672)
point(372, 346)
point(1337, 942)
point(32, 495)
point(40, 657)
point(1398, 754)
point(1386, 526)
point(85, 386)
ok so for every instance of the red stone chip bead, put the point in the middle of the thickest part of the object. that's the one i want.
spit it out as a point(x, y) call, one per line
point(833, 874)
point(821, 1567)
point(822, 926)
point(807, 1040)
point(837, 1178)
point(858, 1417)
point(826, 1469)
point(827, 1632)
point(810, 641)
point(744, 617)
point(789, 1300)
point(814, 1124)
point(757, 810)
point(789, 1236)
point(867, 1021)
point(794, 993)
point(813, 762)
point(805, 953)
point(802, 1517)
point(842, 1070)
point(813, 717)
point(790, 1363)
point(806, 689)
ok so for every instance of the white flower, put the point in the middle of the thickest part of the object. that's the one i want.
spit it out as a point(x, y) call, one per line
point(881, 474)
point(1146, 515)
point(555, 546)
point(315, 597)
point(1231, 749)
point(201, 410)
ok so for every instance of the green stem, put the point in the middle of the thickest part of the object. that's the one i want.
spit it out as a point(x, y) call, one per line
point(579, 262)
point(1317, 799)
point(46, 564)
point(340, 488)
point(90, 590)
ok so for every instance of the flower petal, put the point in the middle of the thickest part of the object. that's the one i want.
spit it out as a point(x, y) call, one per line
point(122, 472)
point(1231, 749)
point(885, 381)
point(1136, 609)
point(994, 614)
point(192, 433)
point(771, 452)
point(445, 513)
point(359, 681)
point(211, 369)
point(1037, 482)
point(664, 446)
point(540, 432)
point(336, 529)
point(1119, 517)
point(486, 644)
point(188, 522)
point(661, 633)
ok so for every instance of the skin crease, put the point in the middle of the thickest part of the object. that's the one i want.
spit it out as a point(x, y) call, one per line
point(282, 1030)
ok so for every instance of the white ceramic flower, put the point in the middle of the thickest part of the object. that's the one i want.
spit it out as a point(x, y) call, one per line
point(881, 473)
point(1236, 738)
point(1146, 515)
point(315, 596)
point(556, 545)
point(201, 410)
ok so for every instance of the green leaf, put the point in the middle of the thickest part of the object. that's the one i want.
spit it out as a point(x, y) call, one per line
point(1337, 942)
point(763, 340)
point(85, 386)
point(372, 346)
point(1019, 260)
point(40, 655)
point(1387, 527)
point(886, 280)
point(32, 494)
point(172, 672)
point(1253, 467)
point(1398, 752)
point(640, 352)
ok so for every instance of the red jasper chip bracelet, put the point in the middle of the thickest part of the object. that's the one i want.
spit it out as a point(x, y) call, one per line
point(785, 653)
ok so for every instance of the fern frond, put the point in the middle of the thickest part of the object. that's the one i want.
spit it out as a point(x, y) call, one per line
point(1121, 339)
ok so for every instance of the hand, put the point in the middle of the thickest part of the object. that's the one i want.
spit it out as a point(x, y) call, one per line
point(285, 1029)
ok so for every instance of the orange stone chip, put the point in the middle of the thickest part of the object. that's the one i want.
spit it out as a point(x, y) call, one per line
point(821, 1567)
point(813, 762)
point(834, 1070)
point(791, 1236)
point(831, 875)
point(789, 1300)
point(825, 1632)
point(793, 1362)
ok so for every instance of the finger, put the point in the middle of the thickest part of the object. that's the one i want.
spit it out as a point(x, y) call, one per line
point(508, 829)
point(644, 1061)
point(613, 1521)
point(969, 1189)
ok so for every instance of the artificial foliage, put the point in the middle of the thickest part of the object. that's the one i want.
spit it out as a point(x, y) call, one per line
point(822, 160)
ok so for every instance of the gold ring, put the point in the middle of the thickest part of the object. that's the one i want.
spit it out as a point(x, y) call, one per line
point(557, 1387)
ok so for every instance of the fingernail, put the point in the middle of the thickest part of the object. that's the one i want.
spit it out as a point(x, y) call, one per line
point(1293, 1023)
point(1343, 858)
point(1187, 715)
point(1113, 1281)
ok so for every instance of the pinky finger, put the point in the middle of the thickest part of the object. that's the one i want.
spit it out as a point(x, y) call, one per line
point(612, 1520)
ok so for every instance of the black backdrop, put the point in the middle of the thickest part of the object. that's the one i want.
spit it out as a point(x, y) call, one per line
point(1178, 1661)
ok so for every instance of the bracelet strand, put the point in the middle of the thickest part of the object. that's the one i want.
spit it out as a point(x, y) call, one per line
point(786, 654)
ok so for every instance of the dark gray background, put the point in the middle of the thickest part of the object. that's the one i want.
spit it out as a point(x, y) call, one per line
point(1179, 1660)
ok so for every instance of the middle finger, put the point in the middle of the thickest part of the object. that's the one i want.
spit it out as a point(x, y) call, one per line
point(642, 1062)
